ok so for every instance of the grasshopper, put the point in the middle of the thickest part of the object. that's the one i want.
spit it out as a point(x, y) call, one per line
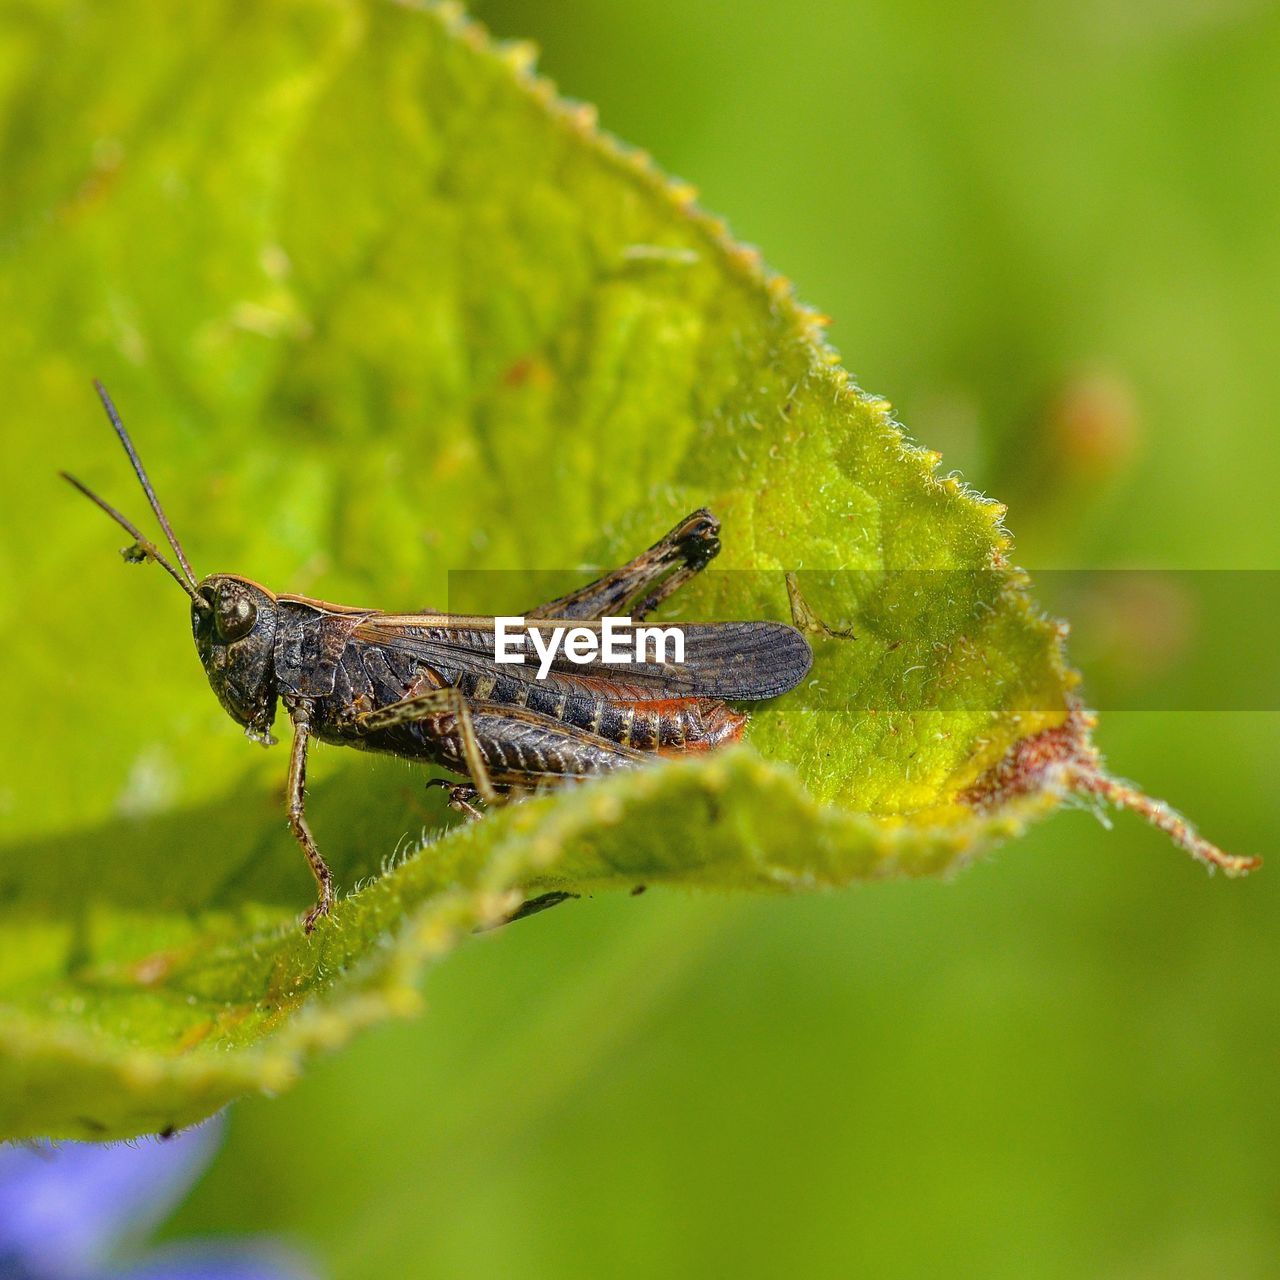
point(427, 686)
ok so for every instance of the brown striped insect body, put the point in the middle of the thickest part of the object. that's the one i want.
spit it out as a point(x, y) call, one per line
point(426, 685)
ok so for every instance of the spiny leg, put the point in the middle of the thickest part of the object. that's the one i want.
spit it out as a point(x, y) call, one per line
point(642, 584)
point(300, 714)
point(425, 706)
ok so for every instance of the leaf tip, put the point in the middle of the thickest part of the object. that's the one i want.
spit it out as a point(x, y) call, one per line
point(1062, 759)
point(1124, 795)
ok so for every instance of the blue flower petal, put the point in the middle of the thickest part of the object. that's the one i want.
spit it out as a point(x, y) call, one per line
point(64, 1208)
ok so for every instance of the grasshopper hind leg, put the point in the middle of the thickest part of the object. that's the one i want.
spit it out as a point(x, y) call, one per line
point(641, 585)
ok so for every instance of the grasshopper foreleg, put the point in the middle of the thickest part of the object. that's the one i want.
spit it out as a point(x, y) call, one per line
point(300, 714)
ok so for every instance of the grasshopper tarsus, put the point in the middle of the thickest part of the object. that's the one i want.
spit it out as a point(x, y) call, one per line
point(461, 796)
point(317, 913)
point(429, 686)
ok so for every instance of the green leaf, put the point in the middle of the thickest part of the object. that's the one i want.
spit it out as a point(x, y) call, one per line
point(377, 305)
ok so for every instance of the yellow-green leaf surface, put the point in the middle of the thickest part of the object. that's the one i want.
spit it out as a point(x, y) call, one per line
point(377, 306)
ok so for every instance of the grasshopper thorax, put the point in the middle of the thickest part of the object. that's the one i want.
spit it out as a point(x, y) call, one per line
point(235, 629)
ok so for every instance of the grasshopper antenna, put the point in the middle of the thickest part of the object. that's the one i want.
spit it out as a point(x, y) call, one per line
point(143, 547)
point(140, 472)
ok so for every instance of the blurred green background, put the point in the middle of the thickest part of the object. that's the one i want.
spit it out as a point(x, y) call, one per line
point(1048, 233)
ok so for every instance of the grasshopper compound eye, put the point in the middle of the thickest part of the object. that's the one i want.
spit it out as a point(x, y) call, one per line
point(234, 613)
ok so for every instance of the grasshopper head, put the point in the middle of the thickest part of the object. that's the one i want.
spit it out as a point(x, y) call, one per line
point(235, 631)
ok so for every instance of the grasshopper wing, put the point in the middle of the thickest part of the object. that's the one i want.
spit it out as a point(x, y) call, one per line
point(743, 661)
